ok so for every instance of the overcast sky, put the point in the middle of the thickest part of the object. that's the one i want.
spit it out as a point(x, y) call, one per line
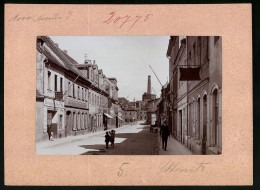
point(126, 58)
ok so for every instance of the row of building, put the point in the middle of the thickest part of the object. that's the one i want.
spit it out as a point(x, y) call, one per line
point(191, 101)
point(72, 98)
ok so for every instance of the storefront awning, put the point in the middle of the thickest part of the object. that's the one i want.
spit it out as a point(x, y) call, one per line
point(107, 115)
point(120, 118)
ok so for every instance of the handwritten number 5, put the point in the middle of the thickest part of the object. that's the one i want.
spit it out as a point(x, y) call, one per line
point(121, 171)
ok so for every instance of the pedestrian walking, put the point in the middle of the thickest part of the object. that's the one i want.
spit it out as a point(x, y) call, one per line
point(165, 133)
point(112, 138)
point(50, 133)
point(107, 139)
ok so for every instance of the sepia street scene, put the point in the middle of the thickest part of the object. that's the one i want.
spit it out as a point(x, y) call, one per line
point(128, 95)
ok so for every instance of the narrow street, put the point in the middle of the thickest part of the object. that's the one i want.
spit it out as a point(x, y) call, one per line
point(130, 140)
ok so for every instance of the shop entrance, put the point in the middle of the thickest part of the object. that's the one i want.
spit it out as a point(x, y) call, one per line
point(51, 127)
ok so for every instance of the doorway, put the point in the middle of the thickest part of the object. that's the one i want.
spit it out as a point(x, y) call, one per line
point(68, 123)
point(180, 124)
point(204, 133)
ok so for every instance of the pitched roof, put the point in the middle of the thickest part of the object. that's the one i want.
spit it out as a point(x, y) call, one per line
point(68, 61)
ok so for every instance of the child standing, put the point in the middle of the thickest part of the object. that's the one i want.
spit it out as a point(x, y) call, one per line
point(107, 138)
point(112, 138)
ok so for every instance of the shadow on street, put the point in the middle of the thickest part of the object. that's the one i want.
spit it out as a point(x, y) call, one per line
point(141, 143)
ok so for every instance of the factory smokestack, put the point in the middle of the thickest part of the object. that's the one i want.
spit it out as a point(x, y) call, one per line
point(149, 87)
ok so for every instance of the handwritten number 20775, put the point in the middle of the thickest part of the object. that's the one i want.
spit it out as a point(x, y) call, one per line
point(123, 20)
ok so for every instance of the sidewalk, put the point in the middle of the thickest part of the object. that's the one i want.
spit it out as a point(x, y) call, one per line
point(173, 147)
point(68, 139)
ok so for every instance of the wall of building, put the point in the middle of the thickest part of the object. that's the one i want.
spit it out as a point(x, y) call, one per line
point(215, 94)
point(41, 134)
point(197, 106)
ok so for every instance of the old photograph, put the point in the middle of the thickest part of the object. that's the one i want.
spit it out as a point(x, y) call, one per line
point(128, 95)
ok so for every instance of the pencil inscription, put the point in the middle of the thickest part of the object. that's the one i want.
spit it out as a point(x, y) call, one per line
point(121, 170)
point(39, 18)
point(130, 20)
point(170, 167)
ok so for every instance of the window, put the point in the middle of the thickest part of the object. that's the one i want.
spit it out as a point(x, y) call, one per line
point(78, 92)
point(194, 54)
point(49, 80)
point(69, 89)
point(204, 49)
point(198, 120)
point(86, 95)
point(89, 98)
point(61, 84)
point(73, 90)
point(198, 51)
point(55, 83)
point(82, 97)
point(215, 117)
point(216, 38)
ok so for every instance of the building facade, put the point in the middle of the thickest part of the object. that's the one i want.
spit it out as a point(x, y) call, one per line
point(71, 98)
point(130, 112)
point(196, 103)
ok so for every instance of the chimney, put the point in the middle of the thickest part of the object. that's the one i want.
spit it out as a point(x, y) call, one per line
point(65, 51)
point(94, 62)
point(149, 90)
point(57, 44)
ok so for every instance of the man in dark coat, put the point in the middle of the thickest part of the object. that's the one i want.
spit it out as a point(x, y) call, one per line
point(49, 131)
point(165, 133)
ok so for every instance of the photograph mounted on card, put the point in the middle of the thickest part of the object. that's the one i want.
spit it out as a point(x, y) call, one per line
point(87, 112)
point(109, 92)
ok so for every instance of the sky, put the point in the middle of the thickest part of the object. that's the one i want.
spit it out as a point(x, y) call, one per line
point(127, 58)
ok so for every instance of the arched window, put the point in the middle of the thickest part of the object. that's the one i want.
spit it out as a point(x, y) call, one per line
point(215, 117)
point(198, 120)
